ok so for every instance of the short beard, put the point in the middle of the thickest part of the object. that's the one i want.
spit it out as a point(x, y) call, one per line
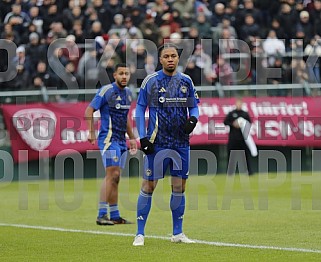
point(120, 85)
point(170, 70)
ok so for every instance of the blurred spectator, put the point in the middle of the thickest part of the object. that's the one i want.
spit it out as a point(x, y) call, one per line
point(149, 28)
point(315, 14)
point(21, 65)
point(104, 15)
point(204, 62)
point(288, 19)
point(277, 79)
point(95, 30)
point(87, 68)
point(78, 32)
point(52, 19)
point(313, 51)
point(223, 72)
point(35, 51)
point(203, 27)
point(225, 24)
point(57, 30)
point(57, 63)
point(218, 14)
point(71, 15)
point(278, 29)
point(42, 77)
point(168, 26)
point(36, 19)
point(273, 47)
point(8, 30)
point(106, 70)
point(185, 9)
point(118, 25)
point(17, 18)
point(248, 9)
point(304, 25)
point(70, 78)
point(72, 51)
point(250, 29)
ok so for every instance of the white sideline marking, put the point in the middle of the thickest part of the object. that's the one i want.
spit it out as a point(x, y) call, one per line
point(218, 244)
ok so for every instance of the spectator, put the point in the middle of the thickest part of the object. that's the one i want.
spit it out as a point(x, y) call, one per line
point(185, 9)
point(104, 15)
point(288, 20)
point(168, 26)
point(21, 65)
point(51, 19)
point(17, 18)
point(95, 30)
point(72, 51)
point(35, 50)
point(250, 29)
point(203, 27)
point(42, 77)
point(8, 30)
point(313, 51)
point(223, 72)
point(304, 25)
point(149, 29)
point(36, 19)
point(218, 14)
point(273, 47)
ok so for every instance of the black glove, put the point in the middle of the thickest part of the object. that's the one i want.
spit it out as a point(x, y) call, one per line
point(190, 125)
point(146, 146)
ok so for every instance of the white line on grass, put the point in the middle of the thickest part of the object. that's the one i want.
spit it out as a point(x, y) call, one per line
point(219, 244)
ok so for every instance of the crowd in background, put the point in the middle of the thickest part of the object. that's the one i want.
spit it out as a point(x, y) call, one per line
point(271, 29)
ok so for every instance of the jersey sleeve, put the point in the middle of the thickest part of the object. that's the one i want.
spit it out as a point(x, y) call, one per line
point(193, 96)
point(143, 98)
point(99, 100)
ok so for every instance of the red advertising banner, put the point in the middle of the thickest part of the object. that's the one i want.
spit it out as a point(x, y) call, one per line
point(53, 127)
point(277, 121)
point(56, 128)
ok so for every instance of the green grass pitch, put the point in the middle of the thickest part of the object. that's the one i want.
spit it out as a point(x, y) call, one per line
point(273, 217)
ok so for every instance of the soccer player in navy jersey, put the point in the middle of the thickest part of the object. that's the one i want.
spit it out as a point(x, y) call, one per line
point(113, 101)
point(173, 114)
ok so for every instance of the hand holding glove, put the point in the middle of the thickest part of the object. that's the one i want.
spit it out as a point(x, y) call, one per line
point(146, 146)
point(190, 124)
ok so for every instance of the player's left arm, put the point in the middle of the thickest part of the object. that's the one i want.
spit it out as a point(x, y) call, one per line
point(132, 139)
point(193, 110)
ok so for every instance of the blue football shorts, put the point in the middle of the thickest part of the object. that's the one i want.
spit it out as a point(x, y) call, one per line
point(156, 164)
point(115, 155)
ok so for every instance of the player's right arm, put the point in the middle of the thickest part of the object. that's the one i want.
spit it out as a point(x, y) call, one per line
point(89, 115)
point(146, 146)
point(98, 101)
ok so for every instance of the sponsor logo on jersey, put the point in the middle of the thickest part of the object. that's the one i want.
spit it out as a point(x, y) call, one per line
point(183, 89)
point(148, 172)
point(162, 90)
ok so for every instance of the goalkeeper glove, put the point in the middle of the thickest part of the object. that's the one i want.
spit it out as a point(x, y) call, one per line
point(190, 125)
point(146, 146)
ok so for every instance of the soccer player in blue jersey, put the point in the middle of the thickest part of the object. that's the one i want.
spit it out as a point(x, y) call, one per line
point(173, 114)
point(113, 101)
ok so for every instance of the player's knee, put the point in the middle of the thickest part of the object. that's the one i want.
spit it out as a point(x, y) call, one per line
point(114, 175)
point(178, 188)
point(148, 186)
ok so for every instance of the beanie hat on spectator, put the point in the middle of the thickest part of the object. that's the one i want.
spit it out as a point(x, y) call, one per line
point(133, 31)
point(100, 44)
point(304, 14)
point(33, 36)
point(21, 49)
point(71, 38)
